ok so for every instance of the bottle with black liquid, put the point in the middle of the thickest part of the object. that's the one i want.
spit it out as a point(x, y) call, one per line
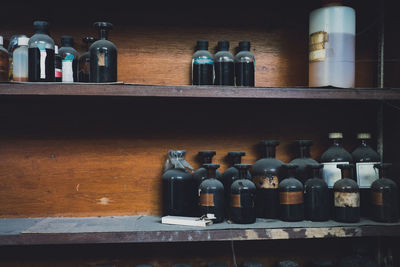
point(244, 65)
point(41, 54)
point(4, 63)
point(302, 172)
point(84, 61)
point(205, 157)
point(211, 195)
point(266, 176)
point(202, 65)
point(243, 192)
point(224, 65)
point(103, 56)
point(69, 60)
point(316, 198)
point(57, 65)
point(178, 196)
point(346, 196)
point(384, 197)
point(291, 196)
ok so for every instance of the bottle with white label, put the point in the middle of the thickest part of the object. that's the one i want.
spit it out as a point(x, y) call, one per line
point(346, 196)
point(202, 65)
point(41, 54)
point(20, 60)
point(69, 60)
point(291, 196)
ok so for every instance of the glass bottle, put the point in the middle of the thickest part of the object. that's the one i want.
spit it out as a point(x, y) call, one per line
point(321, 263)
point(362, 256)
point(4, 64)
point(316, 198)
point(211, 195)
point(205, 157)
point(266, 177)
point(291, 196)
point(224, 65)
point(217, 264)
point(384, 197)
point(243, 192)
point(12, 45)
point(202, 65)
point(41, 54)
point(251, 264)
point(103, 56)
point(69, 57)
point(178, 196)
point(57, 65)
point(287, 264)
point(20, 60)
point(84, 61)
point(346, 196)
point(302, 172)
point(244, 65)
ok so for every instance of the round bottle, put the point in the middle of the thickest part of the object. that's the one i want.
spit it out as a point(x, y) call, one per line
point(224, 65)
point(69, 60)
point(4, 63)
point(202, 65)
point(103, 56)
point(178, 187)
point(57, 65)
point(384, 197)
point(244, 65)
point(20, 60)
point(266, 176)
point(302, 172)
point(346, 196)
point(291, 196)
point(316, 198)
point(332, 46)
point(84, 61)
point(243, 192)
point(41, 54)
point(211, 195)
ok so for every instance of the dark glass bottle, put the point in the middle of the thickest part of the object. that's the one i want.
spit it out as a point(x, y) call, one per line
point(346, 196)
point(217, 264)
point(84, 61)
point(57, 65)
point(243, 192)
point(202, 65)
point(41, 54)
point(287, 264)
point(316, 198)
point(224, 65)
point(244, 65)
point(206, 158)
point(266, 177)
point(103, 56)
point(211, 195)
point(4, 62)
point(321, 263)
point(181, 265)
point(69, 60)
point(291, 196)
point(302, 172)
point(384, 197)
point(178, 186)
point(361, 257)
point(251, 264)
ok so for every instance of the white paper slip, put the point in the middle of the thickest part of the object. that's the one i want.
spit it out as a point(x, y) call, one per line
point(189, 221)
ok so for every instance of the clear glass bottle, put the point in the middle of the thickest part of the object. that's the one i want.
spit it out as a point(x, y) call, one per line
point(57, 65)
point(4, 64)
point(103, 56)
point(202, 65)
point(224, 65)
point(266, 176)
point(69, 60)
point(302, 172)
point(291, 196)
point(12, 45)
point(211, 195)
point(20, 60)
point(316, 197)
point(84, 61)
point(41, 54)
point(244, 65)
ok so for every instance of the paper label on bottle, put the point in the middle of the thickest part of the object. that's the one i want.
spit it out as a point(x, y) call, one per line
point(235, 201)
point(67, 69)
point(58, 73)
point(343, 200)
point(366, 174)
point(101, 59)
point(206, 200)
point(377, 198)
point(43, 55)
point(200, 60)
point(317, 46)
point(266, 182)
point(290, 198)
point(331, 173)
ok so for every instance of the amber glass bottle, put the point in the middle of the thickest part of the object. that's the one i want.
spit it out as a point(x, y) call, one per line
point(291, 196)
point(316, 196)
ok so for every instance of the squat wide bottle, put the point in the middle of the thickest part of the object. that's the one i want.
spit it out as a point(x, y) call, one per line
point(291, 196)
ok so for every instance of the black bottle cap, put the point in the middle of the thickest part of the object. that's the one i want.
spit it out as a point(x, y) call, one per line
point(88, 39)
point(207, 153)
point(304, 142)
point(235, 154)
point(269, 143)
point(315, 166)
point(223, 45)
point(383, 165)
point(67, 41)
point(41, 26)
point(104, 25)
point(242, 166)
point(244, 46)
point(210, 166)
point(202, 45)
point(345, 166)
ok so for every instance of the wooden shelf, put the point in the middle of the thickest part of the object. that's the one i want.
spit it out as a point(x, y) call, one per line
point(142, 229)
point(119, 89)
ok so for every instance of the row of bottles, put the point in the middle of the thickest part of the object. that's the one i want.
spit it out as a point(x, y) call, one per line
point(38, 59)
point(223, 68)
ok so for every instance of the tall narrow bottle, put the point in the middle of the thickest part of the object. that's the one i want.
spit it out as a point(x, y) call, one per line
point(316, 197)
point(224, 65)
point(84, 61)
point(41, 54)
point(20, 60)
point(4, 64)
point(266, 176)
point(243, 192)
point(12, 45)
point(291, 196)
point(211, 195)
point(57, 65)
point(346, 196)
point(202, 65)
point(103, 56)
point(244, 65)
point(302, 172)
point(69, 60)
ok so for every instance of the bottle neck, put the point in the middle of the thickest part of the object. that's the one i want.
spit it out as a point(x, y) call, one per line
point(211, 173)
point(337, 142)
point(304, 151)
point(207, 160)
point(41, 31)
point(347, 173)
point(242, 173)
point(316, 173)
point(269, 152)
point(236, 160)
point(364, 143)
point(382, 173)
point(103, 34)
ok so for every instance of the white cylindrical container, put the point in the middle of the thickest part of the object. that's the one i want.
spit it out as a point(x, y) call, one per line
point(20, 60)
point(332, 46)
